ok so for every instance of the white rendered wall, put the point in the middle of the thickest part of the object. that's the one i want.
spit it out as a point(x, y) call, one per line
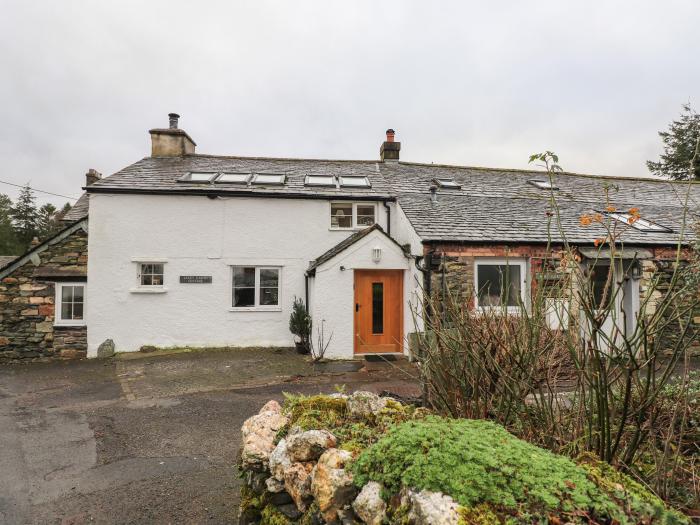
point(199, 236)
point(333, 301)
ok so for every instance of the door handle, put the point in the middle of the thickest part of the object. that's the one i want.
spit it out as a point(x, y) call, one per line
point(357, 307)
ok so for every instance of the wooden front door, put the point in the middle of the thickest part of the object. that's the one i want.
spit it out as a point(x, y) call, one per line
point(378, 311)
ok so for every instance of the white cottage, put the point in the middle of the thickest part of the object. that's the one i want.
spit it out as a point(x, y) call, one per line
point(203, 250)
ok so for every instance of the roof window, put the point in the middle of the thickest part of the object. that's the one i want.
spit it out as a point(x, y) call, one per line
point(198, 176)
point(638, 223)
point(447, 183)
point(319, 180)
point(543, 184)
point(234, 178)
point(269, 178)
point(354, 182)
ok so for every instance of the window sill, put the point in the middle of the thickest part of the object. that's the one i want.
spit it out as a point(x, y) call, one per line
point(255, 309)
point(70, 324)
point(155, 289)
point(353, 229)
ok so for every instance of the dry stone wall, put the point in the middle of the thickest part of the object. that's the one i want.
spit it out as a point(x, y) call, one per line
point(27, 309)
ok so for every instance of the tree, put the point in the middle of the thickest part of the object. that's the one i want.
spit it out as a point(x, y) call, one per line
point(48, 221)
point(681, 155)
point(64, 211)
point(9, 245)
point(25, 216)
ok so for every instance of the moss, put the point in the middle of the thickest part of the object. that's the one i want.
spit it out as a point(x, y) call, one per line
point(251, 504)
point(479, 463)
point(480, 515)
point(626, 491)
point(271, 516)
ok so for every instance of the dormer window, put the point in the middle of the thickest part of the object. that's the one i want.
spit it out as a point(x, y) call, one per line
point(354, 182)
point(269, 178)
point(233, 178)
point(638, 223)
point(319, 180)
point(198, 176)
point(447, 183)
point(543, 184)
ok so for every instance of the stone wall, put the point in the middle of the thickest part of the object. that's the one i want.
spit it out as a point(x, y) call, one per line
point(27, 308)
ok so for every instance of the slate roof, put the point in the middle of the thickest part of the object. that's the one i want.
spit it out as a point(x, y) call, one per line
point(492, 205)
point(79, 210)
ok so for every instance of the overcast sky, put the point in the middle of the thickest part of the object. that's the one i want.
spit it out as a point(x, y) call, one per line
point(474, 83)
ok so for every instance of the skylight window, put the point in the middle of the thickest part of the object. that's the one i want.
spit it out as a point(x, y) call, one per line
point(355, 182)
point(198, 176)
point(268, 178)
point(319, 180)
point(638, 223)
point(543, 184)
point(447, 183)
point(234, 178)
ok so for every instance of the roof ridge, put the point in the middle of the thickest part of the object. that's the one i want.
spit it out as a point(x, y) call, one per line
point(243, 157)
point(543, 172)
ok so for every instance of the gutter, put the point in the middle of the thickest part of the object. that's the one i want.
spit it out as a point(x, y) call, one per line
point(212, 193)
point(388, 218)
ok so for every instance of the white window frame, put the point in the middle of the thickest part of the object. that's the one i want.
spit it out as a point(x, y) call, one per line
point(257, 307)
point(354, 226)
point(140, 288)
point(492, 261)
point(58, 304)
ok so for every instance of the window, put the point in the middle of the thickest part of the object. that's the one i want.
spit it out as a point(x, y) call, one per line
point(349, 215)
point(543, 184)
point(319, 180)
point(447, 183)
point(500, 282)
point(70, 304)
point(268, 178)
point(638, 223)
point(355, 182)
point(234, 178)
point(198, 176)
point(256, 287)
point(377, 308)
point(151, 274)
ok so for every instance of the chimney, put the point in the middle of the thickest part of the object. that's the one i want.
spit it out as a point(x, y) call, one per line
point(92, 176)
point(171, 141)
point(390, 149)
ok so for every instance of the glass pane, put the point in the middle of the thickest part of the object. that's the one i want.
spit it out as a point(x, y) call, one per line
point(146, 268)
point(341, 215)
point(78, 294)
point(78, 311)
point(599, 278)
point(320, 180)
point(269, 296)
point(358, 182)
point(268, 179)
point(146, 280)
point(243, 276)
point(269, 277)
point(200, 177)
point(66, 294)
point(244, 297)
point(365, 215)
point(233, 177)
point(66, 310)
point(157, 280)
point(498, 284)
point(377, 308)
point(158, 268)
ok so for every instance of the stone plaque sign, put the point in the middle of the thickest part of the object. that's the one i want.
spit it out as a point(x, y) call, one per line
point(195, 279)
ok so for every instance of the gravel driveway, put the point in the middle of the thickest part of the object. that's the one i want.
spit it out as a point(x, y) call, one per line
point(145, 439)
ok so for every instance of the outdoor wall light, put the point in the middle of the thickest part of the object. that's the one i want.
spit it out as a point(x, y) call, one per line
point(376, 254)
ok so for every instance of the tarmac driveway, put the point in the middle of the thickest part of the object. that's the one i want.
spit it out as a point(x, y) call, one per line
point(147, 438)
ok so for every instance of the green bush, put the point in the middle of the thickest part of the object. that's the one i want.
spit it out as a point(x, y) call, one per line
point(479, 463)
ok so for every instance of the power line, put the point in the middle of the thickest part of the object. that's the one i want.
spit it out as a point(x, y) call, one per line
point(40, 191)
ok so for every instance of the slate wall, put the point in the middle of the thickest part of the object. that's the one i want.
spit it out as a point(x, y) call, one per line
point(27, 309)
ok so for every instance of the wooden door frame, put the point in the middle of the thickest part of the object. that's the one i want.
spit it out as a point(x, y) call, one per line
point(402, 272)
